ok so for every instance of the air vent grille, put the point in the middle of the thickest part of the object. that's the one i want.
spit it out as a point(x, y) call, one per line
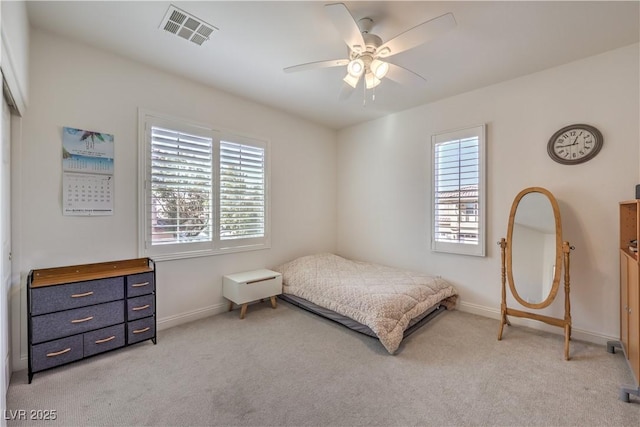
point(187, 26)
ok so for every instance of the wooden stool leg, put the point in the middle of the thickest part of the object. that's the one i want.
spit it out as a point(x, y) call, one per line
point(230, 305)
point(243, 311)
point(274, 304)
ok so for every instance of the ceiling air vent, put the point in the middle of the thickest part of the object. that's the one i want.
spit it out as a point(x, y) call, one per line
point(187, 26)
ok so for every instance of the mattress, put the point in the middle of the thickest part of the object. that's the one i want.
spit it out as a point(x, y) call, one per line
point(382, 301)
point(414, 324)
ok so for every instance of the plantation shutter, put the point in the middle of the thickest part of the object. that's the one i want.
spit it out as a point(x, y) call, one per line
point(456, 195)
point(242, 191)
point(181, 187)
point(458, 191)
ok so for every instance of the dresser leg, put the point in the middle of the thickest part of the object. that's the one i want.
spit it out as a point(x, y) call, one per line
point(274, 304)
point(243, 310)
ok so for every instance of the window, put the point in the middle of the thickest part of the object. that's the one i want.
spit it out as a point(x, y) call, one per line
point(202, 191)
point(459, 191)
point(242, 193)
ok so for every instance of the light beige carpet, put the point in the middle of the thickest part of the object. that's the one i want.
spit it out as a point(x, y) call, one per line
point(289, 367)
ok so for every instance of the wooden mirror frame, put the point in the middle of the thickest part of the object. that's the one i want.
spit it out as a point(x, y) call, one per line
point(562, 259)
point(558, 256)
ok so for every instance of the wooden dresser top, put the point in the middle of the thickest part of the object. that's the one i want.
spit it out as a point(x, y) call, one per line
point(80, 273)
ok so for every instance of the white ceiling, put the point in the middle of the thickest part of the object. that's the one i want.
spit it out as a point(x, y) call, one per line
point(492, 42)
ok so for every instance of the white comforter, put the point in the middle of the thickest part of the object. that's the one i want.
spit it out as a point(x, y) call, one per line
point(383, 298)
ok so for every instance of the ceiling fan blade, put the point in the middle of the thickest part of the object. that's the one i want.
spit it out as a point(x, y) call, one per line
point(404, 76)
point(417, 35)
point(346, 25)
point(316, 65)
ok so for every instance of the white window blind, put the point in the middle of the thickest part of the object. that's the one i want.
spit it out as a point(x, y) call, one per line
point(242, 191)
point(181, 187)
point(458, 191)
point(202, 191)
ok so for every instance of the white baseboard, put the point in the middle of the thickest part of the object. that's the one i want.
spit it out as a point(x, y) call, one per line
point(201, 313)
point(494, 313)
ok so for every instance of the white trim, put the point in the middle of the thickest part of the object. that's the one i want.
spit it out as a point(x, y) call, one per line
point(216, 246)
point(458, 248)
point(10, 75)
point(190, 316)
point(494, 313)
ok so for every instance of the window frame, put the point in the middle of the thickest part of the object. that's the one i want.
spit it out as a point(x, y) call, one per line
point(478, 249)
point(216, 246)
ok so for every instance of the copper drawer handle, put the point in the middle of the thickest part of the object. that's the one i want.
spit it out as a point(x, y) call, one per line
point(111, 338)
point(139, 331)
point(86, 319)
point(138, 285)
point(58, 353)
point(144, 307)
point(86, 294)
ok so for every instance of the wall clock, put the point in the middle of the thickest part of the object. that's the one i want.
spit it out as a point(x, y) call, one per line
point(575, 144)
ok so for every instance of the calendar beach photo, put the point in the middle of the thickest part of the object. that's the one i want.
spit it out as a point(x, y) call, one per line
point(87, 151)
point(87, 172)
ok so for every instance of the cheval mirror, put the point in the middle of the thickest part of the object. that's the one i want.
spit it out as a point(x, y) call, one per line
point(533, 258)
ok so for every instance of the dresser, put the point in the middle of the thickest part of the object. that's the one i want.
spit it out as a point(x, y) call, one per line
point(629, 294)
point(79, 311)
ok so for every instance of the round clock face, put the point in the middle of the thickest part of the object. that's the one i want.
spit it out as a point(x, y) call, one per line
point(575, 144)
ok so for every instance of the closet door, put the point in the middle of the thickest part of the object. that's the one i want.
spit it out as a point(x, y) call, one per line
point(5, 246)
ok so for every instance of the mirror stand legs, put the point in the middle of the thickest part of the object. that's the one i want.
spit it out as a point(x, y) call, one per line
point(567, 337)
point(563, 323)
point(503, 321)
point(503, 305)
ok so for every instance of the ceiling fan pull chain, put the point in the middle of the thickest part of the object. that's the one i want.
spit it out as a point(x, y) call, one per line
point(364, 95)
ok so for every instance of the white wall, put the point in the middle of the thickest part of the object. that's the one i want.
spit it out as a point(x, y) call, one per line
point(384, 177)
point(73, 85)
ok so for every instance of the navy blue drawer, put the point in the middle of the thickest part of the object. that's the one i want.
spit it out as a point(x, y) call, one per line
point(140, 307)
point(56, 325)
point(140, 284)
point(140, 330)
point(103, 340)
point(55, 353)
point(73, 295)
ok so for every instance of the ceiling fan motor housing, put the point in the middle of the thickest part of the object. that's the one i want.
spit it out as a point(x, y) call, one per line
point(371, 42)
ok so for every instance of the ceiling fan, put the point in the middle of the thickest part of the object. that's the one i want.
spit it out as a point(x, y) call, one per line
point(367, 52)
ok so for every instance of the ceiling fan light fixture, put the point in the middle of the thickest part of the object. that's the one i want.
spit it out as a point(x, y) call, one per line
point(371, 80)
point(351, 80)
point(355, 67)
point(379, 68)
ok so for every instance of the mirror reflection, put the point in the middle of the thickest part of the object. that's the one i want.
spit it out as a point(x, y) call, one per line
point(533, 248)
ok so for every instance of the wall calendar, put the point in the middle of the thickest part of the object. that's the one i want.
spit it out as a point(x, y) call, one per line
point(87, 172)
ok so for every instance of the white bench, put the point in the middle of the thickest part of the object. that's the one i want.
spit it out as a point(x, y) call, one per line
point(243, 288)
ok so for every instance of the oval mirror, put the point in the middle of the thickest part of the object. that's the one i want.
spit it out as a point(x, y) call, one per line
point(534, 248)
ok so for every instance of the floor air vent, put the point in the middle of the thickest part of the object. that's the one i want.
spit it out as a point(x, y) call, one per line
point(187, 26)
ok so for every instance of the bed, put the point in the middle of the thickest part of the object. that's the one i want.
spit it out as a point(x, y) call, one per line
point(384, 302)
